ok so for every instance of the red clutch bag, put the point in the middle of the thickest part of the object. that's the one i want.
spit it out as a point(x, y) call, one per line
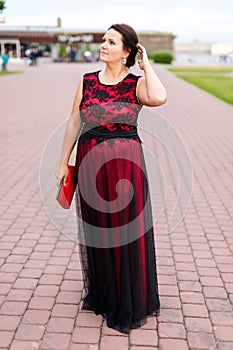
point(66, 191)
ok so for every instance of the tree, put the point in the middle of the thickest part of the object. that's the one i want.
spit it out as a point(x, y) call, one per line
point(2, 5)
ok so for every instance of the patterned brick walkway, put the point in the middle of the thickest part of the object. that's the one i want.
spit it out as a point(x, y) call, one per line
point(40, 277)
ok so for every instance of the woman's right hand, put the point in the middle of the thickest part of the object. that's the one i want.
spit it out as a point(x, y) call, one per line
point(61, 174)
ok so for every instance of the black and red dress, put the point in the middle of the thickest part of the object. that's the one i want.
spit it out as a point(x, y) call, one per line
point(113, 206)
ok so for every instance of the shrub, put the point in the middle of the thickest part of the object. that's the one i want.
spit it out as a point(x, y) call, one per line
point(161, 57)
point(62, 51)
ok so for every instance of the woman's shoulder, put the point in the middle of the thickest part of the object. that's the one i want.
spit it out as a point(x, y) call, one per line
point(89, 75)
point(133, 76)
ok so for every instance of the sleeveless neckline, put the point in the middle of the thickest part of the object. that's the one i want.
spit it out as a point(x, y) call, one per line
point(121, 81)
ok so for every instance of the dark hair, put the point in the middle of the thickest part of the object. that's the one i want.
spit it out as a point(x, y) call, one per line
point(129, 39)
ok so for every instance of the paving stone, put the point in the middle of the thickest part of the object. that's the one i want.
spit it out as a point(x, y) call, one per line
point(6, 277)
point(143, 337)
point(56, 341)
point(151, 323)
point(75, 286)
point(171, 330)
point(219, 305)
point(201, 341)
point(222, 318)
point(31, 273)
point(49, 291)
point(216, 292)
point(9, 323)
point(24, 345)
point(41, 303)
point(69, 297)
point(197, 324)
point(168, 290)
point(174, 344)
point(192, 297)
point(195, 310)
point(64, 310)
point(51, 279)
point(89, 320)
point(29, 332)
point(25, 283)
point(4, 288)
point(109, 331)
point(51, 269)
point(60, 325)
point(84, 347)
point(86, 335)
point(170, 315)
point(224, 333)
point(13, 308)
point(20, 259)
point(225, 345)
point(170, 302)
point(41, 281)
point(189, 286)
point(6, 338)
point(39, 317)
point(143, 348)
point(19, 295)
point(114, 342)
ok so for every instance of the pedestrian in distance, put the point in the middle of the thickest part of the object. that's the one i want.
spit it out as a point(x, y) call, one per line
point(5, 59)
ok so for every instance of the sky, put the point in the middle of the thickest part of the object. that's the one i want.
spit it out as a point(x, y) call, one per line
point(204, 20)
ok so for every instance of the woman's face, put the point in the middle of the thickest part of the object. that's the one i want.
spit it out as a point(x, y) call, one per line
point(111, 49)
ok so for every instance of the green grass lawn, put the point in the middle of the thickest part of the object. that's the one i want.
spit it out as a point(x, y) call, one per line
point(219, 84)
point(221, 87)
point(10, 72)
point(201, 69)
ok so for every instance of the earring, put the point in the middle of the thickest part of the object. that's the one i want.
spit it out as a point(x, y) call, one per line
point(124, 60)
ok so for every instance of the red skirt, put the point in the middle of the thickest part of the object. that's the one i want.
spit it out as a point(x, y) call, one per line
point(116, 234)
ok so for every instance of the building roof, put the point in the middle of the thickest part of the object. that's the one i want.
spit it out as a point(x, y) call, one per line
point(49, 34)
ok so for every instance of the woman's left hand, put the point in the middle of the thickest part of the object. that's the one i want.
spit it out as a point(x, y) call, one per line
point(144, 58)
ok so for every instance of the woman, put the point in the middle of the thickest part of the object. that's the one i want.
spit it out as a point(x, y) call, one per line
point(117, 249)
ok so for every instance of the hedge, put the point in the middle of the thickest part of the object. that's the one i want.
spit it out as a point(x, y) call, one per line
point(161, 57)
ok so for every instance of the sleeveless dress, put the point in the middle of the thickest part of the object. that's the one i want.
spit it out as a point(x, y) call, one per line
point(114, 214)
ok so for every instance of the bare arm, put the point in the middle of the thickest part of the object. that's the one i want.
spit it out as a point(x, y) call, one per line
point(73, 128)
point(150, 90)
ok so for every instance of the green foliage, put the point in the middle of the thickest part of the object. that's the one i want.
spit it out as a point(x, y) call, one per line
point(2, 5)
point(62, 51)
point(87, 47)
point(162, 57)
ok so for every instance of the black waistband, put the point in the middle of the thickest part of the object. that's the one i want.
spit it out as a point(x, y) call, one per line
point(109, 133)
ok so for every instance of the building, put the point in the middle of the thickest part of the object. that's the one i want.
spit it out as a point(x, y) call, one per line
point(197, 51)
point(157, 41)
point(223, 50)
point(195, 47)
point(68, 44)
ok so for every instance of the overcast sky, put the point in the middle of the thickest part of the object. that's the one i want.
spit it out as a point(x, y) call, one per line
point(207, 20)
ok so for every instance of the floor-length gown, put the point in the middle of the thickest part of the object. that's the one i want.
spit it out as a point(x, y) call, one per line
point(113, 206)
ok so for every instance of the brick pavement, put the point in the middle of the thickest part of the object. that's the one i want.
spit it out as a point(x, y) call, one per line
point(40, 277)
